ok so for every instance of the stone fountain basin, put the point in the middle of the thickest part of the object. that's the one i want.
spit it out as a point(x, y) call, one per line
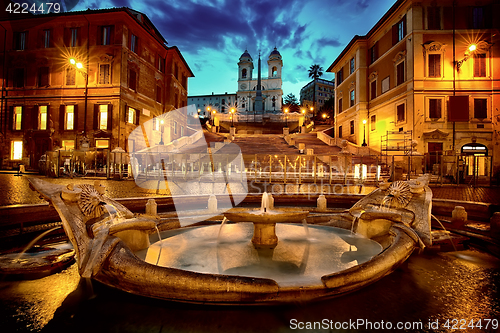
point(282, 215)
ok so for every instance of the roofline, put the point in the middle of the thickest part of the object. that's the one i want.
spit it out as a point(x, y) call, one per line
point(377, 25)
point(182, 58)
point(213, 95)
point(89, 11)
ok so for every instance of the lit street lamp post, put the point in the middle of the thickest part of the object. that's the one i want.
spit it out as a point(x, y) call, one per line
point(364, 133)
point(161, 135)
point(232, 117)
point(286, 116)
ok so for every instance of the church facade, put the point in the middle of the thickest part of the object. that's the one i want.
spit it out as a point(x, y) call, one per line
point(257, 94)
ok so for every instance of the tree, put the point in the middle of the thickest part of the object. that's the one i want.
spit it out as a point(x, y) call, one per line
point(329, 107)
point(291, 102)
point(315, 71)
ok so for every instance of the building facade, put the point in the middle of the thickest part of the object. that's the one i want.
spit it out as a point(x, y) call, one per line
point(316, 93)
point(271, 86)
point(427, 71)
point(83, 80)
point(206, 104)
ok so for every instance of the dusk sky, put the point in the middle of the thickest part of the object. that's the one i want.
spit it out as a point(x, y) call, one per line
point(212, 34)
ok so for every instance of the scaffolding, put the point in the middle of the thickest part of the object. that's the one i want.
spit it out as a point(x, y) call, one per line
point(396, 141)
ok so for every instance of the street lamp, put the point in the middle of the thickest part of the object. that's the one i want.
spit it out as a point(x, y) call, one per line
point(162, 128)
point(286, 116)
point(364, 133)
point(85, 74)
point(232, 117)
point(467, 54)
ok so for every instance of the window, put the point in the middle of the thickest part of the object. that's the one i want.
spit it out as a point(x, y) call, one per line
point(479, 65)
point(274, 71)
point(373, 122)
point(43, 76)
point(400, 73)
point(351, 99)
point(46, 39)
point(18, 117)
point(433, 18)
point(102, 143)
point(161, 64)
point(244, 73)
point(400, 113)
point(103, 117)
point(158, 94)
point(175, 127)
point(42, 117)
point(434, 108)
point(340, 105)
point(478, 18)
point(106, 32)
point(73, 37)
point(480, 108)
point(340, 131)
point(18, 78)
point(176, 71)
point(351, 125)
point(69, 118)
point(351, 66)
point(16, 150)
point(20, 39)
point(434, 65)
point(104, 74)
point(374, 53)
point(134, 43)
point(70, 76)
point(132, 79)
point(68, 144)
point(131, 115)
point(373, 89)
point(385, 84)
point(399, 31)
point(340, 76)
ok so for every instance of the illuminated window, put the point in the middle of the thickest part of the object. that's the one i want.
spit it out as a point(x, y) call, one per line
point(103, 116)
point(131, 116)
point(68, 144)
point(351, 125)
point(16, 150)
point(351, 100)
point(274, 71)
point(18, 117)
point(351, 66)
point(244, 73)
point(69, 118)
point(102, 143)
point(42, 117)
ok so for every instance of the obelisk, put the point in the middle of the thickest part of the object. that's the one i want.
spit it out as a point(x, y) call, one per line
point(259, 108)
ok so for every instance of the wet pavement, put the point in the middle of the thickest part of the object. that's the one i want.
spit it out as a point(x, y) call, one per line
point(428, 289)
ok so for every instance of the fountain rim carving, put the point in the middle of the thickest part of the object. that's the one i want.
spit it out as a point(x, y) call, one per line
point(119, 267)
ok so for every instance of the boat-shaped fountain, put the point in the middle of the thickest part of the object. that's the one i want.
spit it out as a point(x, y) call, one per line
point(262, 256)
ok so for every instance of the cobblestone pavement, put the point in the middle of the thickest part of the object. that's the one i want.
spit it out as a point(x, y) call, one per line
point(14, 190)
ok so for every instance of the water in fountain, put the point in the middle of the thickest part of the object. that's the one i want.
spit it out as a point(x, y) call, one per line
point(33, 242)
point(224, 220)
point(446, 232)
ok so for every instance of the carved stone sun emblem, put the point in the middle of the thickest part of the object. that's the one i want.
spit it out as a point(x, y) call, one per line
point(398, 195)
point(91, 201)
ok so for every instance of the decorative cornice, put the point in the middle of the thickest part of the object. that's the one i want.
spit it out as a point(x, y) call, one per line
point(399, 56)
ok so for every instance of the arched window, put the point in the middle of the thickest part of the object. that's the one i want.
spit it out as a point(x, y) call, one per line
point(274, 71)
point(244, 73)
